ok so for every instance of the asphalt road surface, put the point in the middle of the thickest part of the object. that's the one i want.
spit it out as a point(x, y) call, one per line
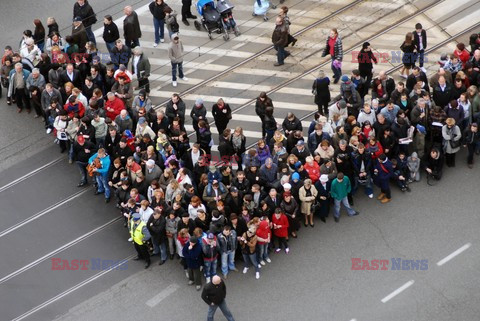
point(44, 216)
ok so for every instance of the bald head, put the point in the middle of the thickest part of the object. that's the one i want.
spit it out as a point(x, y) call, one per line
point(128, 10)
point(216, 280)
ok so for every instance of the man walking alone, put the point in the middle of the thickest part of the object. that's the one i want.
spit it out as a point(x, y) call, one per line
point(214, 294)
point(280, 40)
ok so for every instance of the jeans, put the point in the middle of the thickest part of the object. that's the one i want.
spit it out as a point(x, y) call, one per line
point(70, 150)
point(280, 54)
point(251, 258)
point(171, 244)
point(262, 251)
point(344, 200)
point(90, 35)
point(421, 56)
point(337, 72)
point(223, 307)
point(174, 70)
point(102, 182)
point(210, 268)
point(110, 46)
point(367, 184)
point(228, 261)
point(158, 25)
point(83, 171)
point(160, 248)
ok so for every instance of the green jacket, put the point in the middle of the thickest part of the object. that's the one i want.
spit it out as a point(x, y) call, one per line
point(340, 190)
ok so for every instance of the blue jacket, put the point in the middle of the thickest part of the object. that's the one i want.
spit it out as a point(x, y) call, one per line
point(193, 256)
point(105, 164)
point(11, 75)
point(384, 174)
point(313, 143)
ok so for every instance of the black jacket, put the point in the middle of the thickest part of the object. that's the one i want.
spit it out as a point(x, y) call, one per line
point(214, 293)
point(156, 227)
point(80, 38)
point(121, 56)
point(79, 152)
point(416, 39)
point(86, 13)
point(171, 113)
point(110, 32)
point(365, 61)
point(158, 11)
point(131, 28)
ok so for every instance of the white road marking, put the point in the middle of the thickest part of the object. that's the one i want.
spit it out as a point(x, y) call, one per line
point(60, 249)
point(397, 291)
point(72, 289)
point(451, 256)
point(169, 290)
point(42, 213)
point(35, 171)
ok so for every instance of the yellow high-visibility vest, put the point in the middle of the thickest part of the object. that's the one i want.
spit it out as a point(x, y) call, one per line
point(136, 232)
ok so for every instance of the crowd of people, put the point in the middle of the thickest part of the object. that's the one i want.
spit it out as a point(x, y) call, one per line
point(177, 202)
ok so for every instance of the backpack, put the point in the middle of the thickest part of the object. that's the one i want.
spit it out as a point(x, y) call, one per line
point(174, 26)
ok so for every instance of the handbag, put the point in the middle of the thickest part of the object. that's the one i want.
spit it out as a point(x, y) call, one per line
point(455, 143)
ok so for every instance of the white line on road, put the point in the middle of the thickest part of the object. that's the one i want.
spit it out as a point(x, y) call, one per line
point(169, 290)
point(60, 249)
point(42, 213)
point(72, 289)
point(24, 177)
point(451, 256)
point(397, 291)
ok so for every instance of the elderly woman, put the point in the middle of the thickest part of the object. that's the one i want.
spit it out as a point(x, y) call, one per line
point(451, 141)
point(307, 194)
point(173, 189)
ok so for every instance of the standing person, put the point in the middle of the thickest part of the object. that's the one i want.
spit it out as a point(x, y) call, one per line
point(280, 230)
point(321, 91)
point(420, 40)
point(451, 141)
point(186, 12)
point(171, 22)
point(334, 48)
point(157, 9)
point(221, 114)
point(17, 88)
point(140, 235)
point(383, 171)
point(101, 176)
point(198, 113)
point(192, 252)
point(366, 59)
point(175, 53)
point(131, 28)
point(284, 14)
point(110, 33)
point(82, 151)
point(227, 241)
point(156, 224)
point(280, 40)
point(141, 68)
point(39, 34)
point(175, 108)
point(307, 194)
point(408, 58)
point(339, 191)
point(214, 295)
point(263, 101)
point(248, 242)
point(471, 141)
point(269, 123)
point(79, 36)
point(83, 10)
point(210, 249)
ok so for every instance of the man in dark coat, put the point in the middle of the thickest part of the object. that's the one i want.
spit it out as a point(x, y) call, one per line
point(280, 40)
point(79, 34)
point(131, 28)
point(141, 65)
point(156, 226)
point(84, 10)
point(214, 294)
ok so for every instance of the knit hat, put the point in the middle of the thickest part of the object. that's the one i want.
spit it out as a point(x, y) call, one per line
point(210, 236)
point(199, 101)
point(345, 78)
point(300, 143)
point(324, 178)
point(80, 139)
point(298, 164)
point(77, 19)
point(342, 104)
point(295, 176)
point(287, 186)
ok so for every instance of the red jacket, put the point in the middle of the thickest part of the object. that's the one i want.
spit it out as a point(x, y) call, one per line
point(72, 109)
point(313, 171)
point(263, 231)
point(283, 221)
point(117, 105)
point(464, 56)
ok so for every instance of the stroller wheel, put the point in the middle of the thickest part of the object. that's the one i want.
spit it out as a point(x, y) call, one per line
point(197, 25)
point(226, 37)
point(210, 36)
point(237, 32)
point(265, 18)
point(275, 6)
point(254, 14)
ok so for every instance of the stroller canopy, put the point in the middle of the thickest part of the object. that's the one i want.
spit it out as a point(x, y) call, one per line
point(224, 6)
point(202, 3)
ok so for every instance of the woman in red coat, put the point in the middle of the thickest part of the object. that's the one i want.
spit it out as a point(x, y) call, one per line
point(113, 106)
point(280, 230)
point(312, 168)
point(461, 53)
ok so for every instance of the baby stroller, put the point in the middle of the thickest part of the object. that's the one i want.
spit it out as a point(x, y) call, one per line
point(225, 8)
point(260, 8)
point(211, 19)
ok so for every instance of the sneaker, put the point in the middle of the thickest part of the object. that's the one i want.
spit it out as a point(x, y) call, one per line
point(423, 69)
point(186, 274)
point(234, 269)
point(245, 270)
point(155, 45)
point(262, 262)
point(162, 40)
point(287, 250)
point(268, 260)
point(184, 79)
point(257, 275)
point(370, 195)
point(198, 287)
point(259, 266)
point(208, 280)
point(130, 240)
point(174, 83)
point(49, 130)
point(190, 282)
point(277, 250)
point(225, 276)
